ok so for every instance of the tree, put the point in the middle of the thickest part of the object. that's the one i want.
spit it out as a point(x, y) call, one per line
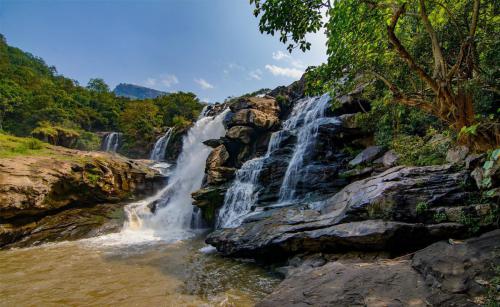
point(138, 122)
point(432, 55)
point(98, 85)
point(10, 96)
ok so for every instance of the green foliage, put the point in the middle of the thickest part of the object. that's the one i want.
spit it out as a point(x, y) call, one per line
point(98, 85)
point(491, 168)
point(35, 99)
point(292, 20)
point(11, 146)
point(88, 141)
point(139, 121)
point(422, 208)
point(392, 119)
point(420, 151)
point(440, 217)
point(493, 286)
point(407, 62)
point(92, 178)
point(472, 223)
point(181, 104)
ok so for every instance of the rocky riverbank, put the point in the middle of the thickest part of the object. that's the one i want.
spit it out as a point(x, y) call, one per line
point(306, 190)
point(67, 194)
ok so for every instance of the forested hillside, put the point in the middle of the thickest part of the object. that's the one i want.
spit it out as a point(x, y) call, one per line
point(35, 98)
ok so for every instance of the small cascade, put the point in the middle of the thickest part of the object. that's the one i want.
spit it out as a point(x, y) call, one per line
point(243, 193)
point(111, 142)
point(169, 215)
point(160, 148)
point(303, 121)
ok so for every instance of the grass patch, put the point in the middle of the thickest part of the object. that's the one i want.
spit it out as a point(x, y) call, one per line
point(11, 146)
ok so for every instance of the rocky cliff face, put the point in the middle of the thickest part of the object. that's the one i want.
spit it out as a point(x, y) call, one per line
point(248, 128)
point(348, 197)
point(63, 195)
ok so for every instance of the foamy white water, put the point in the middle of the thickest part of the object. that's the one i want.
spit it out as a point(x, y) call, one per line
point(160, 148)
point(243, 192)
point(167, 215)
point(111, 142)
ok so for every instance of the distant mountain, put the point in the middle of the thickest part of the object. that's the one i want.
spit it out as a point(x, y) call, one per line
point(136, 91)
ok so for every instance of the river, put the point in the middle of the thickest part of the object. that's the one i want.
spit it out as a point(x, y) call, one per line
point(92, 273)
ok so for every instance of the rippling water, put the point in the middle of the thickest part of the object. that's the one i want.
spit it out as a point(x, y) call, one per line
point(87, 273)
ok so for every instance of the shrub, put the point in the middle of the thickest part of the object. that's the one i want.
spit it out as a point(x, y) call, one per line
point(422, 208)
point(33, 144)
point(88, 141)
point(440, 217)
point(420, 151)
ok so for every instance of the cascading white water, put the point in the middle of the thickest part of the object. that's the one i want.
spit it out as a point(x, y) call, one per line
point(242, 195)
point(303, 121)
point(158, 152)
point(111, 142)
point(171, 219)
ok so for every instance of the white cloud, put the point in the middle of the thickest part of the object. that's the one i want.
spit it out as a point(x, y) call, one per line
point(205, 100)
point(285, 71)
point(255, 74)
point(280, 55)
point(169, 80)
point(204, 84)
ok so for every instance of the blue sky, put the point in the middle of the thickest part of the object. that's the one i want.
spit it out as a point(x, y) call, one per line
point(210, 47)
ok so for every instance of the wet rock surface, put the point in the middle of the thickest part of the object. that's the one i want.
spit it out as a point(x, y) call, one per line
point(249, 126)
point(374, 213)
point(443, 274)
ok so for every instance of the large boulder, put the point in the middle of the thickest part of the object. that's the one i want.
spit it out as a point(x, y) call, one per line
point(254, 118)
point(243, 134)
point(389, 159)
point(217, 157)
point(265, 104)
point(366, 156)
point(395, 193)
point(271, 242)
point(375, 213)
point(443, 274)
point(384, 283)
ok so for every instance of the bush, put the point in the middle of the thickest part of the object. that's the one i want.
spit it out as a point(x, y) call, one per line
point(421, 151)
point(88, 141)
point(33, 144)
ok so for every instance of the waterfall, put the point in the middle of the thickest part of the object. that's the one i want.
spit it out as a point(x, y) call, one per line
point(158, 152)
point(168, 214)
point(111, 142)
point(242, 195)
point(303, 121)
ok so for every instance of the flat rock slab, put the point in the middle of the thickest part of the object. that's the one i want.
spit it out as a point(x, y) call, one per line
point(390, 283)
point(443, 274)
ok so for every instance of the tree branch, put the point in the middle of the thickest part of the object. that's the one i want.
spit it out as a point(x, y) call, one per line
point(475, 18)
point(439, 62)
point(467, 43)
point(402, 98)
point(396, 43)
